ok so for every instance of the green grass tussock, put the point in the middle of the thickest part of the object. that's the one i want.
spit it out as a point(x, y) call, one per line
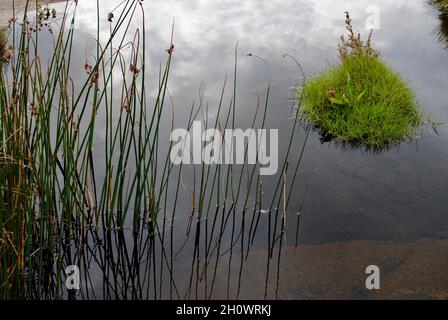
point(443, 6)
point(361, 101)
point(3, 42)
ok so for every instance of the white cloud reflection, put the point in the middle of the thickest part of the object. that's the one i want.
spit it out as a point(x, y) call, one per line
point(207, 31)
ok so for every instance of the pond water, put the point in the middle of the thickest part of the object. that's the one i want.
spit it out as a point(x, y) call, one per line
point(397, 196)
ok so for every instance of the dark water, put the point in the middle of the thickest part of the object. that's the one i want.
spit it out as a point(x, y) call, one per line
point(398, 195)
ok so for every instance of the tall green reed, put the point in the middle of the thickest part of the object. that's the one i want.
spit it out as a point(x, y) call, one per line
point(54, 198)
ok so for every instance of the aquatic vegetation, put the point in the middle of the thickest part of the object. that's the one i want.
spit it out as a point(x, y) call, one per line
point(442, 5)
point(3, 41)
point(361, 100)
point(66, 199)
point(3, 46)
point(442, 31)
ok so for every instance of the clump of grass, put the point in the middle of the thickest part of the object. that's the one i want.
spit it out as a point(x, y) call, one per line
point(443, 6)
point(3, 43)
point(361, 100)
point(2, 40)
point(442, 32)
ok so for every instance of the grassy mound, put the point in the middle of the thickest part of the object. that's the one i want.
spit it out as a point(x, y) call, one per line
point(443, 6)
point(361, 101)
